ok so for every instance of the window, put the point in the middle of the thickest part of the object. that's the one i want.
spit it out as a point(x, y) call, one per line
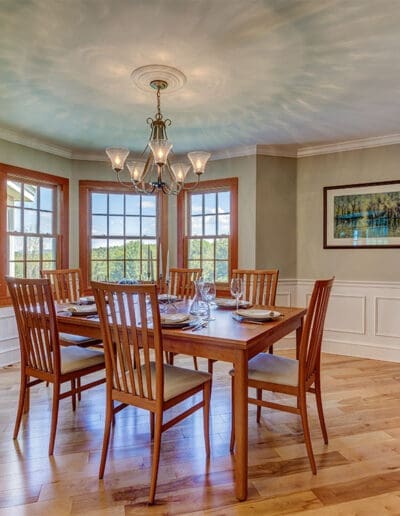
point(122, 233)
point(32, 222)
point(208, 227)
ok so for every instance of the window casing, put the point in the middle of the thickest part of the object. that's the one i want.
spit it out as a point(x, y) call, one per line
point(120, 233)
point(35, 215)
point(207, 229)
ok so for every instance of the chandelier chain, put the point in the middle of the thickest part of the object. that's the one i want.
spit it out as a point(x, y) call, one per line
point(158, 115)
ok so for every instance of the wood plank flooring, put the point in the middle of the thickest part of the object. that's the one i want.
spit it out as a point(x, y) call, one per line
point(358, 472)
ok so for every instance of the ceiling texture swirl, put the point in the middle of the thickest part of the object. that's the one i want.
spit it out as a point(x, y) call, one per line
point(259, 72)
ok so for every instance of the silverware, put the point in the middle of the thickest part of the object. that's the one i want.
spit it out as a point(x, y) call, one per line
point(203, 324)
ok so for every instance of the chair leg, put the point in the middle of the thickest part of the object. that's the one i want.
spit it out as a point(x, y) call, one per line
point(232, 442)
point(259, 397)
point(54, 416)
point(196, 365)
point(320, 409)
point(156, 456)
point(27, 396)
point(271, 350)
point(306, 431)
point(21, 403)
point(210, 365)
point(78, 384)
point(206, 416)
point(106, 436)
point(73, 396)
point(152, 425)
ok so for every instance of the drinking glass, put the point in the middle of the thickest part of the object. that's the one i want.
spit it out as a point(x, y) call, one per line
point(208, 293)
point(236, 290)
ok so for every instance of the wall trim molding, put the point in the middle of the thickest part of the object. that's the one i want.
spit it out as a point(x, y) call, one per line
point(35, 143)
point(282, 151)
point(358, 144)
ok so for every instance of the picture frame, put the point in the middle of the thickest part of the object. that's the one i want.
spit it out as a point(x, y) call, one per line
point(365, 215)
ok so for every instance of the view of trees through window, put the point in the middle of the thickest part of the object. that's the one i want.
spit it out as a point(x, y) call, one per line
point(31, 228)
point(123, 230)
point(208, 235)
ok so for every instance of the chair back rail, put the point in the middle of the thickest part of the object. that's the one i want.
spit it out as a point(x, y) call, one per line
point(131, 329)
point(66, 284)
point(259, 286)
point(311, 339)
point(36, 321)
point(181, 281)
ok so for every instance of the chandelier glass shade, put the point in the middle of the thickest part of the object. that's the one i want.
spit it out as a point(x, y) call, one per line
point(152, 170)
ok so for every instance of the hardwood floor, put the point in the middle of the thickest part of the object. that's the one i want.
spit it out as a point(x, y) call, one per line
point(358, 472)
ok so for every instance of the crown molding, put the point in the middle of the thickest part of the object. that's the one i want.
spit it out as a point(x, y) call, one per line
point(89, 156)
point(362, 143)
point(283, 151)
point(34, 143)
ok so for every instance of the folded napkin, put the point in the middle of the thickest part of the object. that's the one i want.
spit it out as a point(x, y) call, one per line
point(174, 318)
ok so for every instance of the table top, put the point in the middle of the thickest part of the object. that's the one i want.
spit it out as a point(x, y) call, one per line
point(224, 330)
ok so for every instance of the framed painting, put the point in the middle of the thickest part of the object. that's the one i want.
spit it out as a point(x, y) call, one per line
point(362, 216)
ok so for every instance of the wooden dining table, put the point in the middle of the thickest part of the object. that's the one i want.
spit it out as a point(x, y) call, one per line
point(225, 339)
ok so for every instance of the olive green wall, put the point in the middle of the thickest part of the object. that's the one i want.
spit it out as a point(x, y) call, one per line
point(21, 156)
point(342, 168)
point(276, 234)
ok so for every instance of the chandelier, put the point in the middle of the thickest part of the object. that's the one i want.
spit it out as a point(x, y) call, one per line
point(152, 170)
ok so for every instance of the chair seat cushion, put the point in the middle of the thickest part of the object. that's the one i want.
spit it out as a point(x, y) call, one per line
point(274, 369)
point(177, 380)
point(77, 340)
point(74, 358)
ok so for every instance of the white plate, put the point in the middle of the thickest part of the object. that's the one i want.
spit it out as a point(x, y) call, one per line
point(228, 302)
point(190, 320)
point(167, 298)
point(262, 315)
point(87, 300)
point(80, 310)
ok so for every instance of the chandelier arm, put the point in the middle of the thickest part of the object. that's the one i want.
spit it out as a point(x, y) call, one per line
point(188, 188)
point(147, 167)
point(124, 183)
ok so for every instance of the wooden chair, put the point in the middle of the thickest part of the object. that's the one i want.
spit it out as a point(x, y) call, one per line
point(289, 376)
point(259, 288)
point(42, 357)
point(67, 287)
point(136, 375)
point(181, 284)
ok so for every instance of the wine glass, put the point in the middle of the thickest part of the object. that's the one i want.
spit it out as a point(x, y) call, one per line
point(236, 290)
point(208, 293)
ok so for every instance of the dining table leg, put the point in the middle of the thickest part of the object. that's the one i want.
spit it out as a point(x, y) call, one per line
point(241, 424)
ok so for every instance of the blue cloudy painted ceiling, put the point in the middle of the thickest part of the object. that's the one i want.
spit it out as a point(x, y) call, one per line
point(258, 71)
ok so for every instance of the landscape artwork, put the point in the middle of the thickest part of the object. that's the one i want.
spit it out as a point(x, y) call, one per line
point(365, 215)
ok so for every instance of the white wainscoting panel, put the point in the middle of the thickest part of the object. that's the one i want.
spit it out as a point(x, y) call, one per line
point(363, 318)
point(387, 317)
point(9, 342)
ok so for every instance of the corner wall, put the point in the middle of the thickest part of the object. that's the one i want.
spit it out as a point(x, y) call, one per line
point(276, 234)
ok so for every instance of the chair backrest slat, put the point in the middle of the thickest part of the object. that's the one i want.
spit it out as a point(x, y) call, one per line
point(311, 339)
point(130, 322)
point(259, 286)
point(36, 321)
point(67, 284)
point(181, 281)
